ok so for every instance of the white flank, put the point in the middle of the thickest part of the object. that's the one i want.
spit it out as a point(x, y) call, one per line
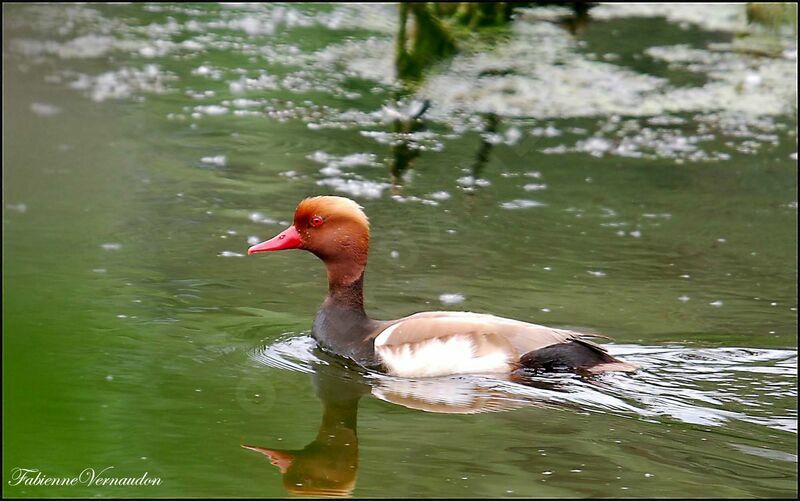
point(437, 357)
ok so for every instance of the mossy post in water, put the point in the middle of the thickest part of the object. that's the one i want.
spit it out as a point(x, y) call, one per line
point(427, 42)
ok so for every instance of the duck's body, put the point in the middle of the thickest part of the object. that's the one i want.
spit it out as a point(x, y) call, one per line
point(435, 343)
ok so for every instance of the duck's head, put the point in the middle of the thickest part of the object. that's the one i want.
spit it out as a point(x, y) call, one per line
point(332, 228)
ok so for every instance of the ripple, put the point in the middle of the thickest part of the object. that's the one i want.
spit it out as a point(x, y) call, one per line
point(293, 353)
point(706, 386)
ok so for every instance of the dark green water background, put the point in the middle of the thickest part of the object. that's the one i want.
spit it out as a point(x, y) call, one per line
point(137, 335)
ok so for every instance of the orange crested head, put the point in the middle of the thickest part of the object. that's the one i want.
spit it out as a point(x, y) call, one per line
point(333, 228)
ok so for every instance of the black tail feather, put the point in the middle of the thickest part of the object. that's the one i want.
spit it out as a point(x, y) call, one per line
point(575, 355)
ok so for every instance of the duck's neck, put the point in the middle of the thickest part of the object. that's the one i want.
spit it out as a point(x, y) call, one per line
point(341, 325)
point(346, 286)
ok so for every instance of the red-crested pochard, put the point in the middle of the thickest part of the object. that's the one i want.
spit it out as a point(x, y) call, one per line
point(434, 343)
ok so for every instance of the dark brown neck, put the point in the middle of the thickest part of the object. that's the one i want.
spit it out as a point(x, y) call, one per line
point(341, 325)
point(346, 285)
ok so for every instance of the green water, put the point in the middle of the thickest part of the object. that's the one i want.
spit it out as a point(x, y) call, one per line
point(137, 335)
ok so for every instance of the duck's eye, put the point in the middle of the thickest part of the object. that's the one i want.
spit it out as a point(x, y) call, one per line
point(316, 221)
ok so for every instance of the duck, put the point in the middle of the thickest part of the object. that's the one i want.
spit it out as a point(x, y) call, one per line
point(424, 344)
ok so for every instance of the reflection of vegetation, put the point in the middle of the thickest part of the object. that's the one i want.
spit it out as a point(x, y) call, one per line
point(772, 15)
point(765, 23)
point(475, 14)
point(429, 41)
point(402, 153)
point(482, 156)
point(432, 32)
point(579, 20)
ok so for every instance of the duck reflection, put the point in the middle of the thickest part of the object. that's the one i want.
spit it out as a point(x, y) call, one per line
point(328, 465)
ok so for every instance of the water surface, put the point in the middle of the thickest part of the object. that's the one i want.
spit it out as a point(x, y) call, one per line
point(637, 178)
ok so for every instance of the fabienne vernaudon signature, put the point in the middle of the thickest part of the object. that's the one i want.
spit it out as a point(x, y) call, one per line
point(89, 477)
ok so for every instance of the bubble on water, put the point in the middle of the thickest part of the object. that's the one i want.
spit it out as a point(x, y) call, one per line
point(439, 195)
point(262, 82)
point(111, 246)
point(470, 181)
point(208, 71)
point(211, 109)
point(352, 160)
point(596, 273)
point(394, 254)
point(45, 109)
point(244, 103)
point(356, 187)
point(466, 181)
point(512, 136)
point(109, 378)
point(635, 233)
point(548, 131)
point(451, 298)
point(716, 303)
point(258, 217)
point(684, 298)
point(230, 254)
point(82, 47)
point(219, 160)
point(534, 187)
point(21, 208)
point(122, 83)
point(404, 111)
point(521, 204)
